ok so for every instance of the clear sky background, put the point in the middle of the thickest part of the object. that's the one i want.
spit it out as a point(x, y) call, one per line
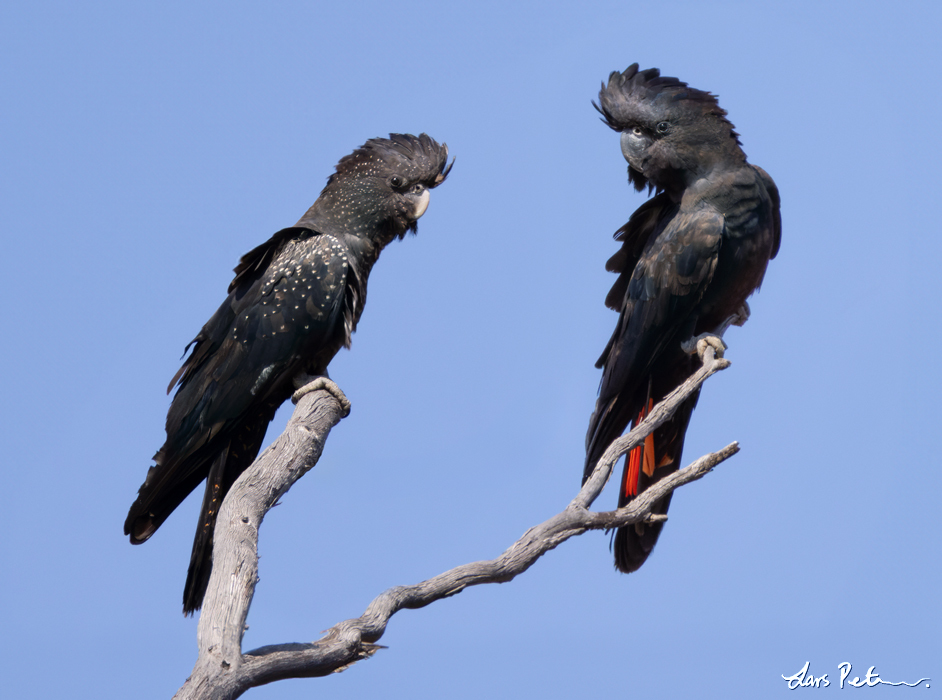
point(146, 146)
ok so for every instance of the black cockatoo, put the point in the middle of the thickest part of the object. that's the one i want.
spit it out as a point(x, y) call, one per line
point(294, 302)
point(690, 257)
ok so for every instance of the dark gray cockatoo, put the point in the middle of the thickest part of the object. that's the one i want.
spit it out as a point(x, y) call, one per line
point(294, 302)
point(690, 256)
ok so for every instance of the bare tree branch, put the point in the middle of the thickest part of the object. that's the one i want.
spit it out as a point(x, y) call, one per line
point(223, 671)
point(659, 415)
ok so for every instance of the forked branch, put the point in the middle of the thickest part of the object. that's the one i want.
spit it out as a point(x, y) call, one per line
point(223, 671)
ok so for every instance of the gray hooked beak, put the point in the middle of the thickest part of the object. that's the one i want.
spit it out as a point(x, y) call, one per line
point(633, 145)
point(421, 203)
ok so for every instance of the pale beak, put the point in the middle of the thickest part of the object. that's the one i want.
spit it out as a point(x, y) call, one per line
point(421, 204)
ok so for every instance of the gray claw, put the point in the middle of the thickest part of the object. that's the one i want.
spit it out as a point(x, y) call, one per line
point(699, 344)
point(740, 317)
point(305, 384)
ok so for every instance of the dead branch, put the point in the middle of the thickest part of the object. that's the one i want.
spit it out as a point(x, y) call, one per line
point(223, 671)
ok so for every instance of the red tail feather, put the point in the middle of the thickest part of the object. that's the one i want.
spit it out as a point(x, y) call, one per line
point(640, 458)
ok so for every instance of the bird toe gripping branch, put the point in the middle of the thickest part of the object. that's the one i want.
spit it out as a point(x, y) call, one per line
point(698, 345)
point(305, 384)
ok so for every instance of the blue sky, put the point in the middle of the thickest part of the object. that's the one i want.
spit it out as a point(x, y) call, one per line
point(146, 146)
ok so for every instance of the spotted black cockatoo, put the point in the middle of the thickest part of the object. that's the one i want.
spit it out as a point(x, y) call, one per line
point(294, 302)
point(690, 257)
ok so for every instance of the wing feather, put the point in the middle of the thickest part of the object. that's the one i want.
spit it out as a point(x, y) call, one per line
point(666, 284)
point(275, 323)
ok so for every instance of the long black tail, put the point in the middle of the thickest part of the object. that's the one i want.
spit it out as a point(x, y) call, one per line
point(201, 559)
point(633, 543)
point(167, 484)
point(234, 458)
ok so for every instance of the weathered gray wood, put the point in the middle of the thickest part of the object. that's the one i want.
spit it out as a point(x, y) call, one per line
point(222, 671)
point(656, 418)
point(235, 548)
